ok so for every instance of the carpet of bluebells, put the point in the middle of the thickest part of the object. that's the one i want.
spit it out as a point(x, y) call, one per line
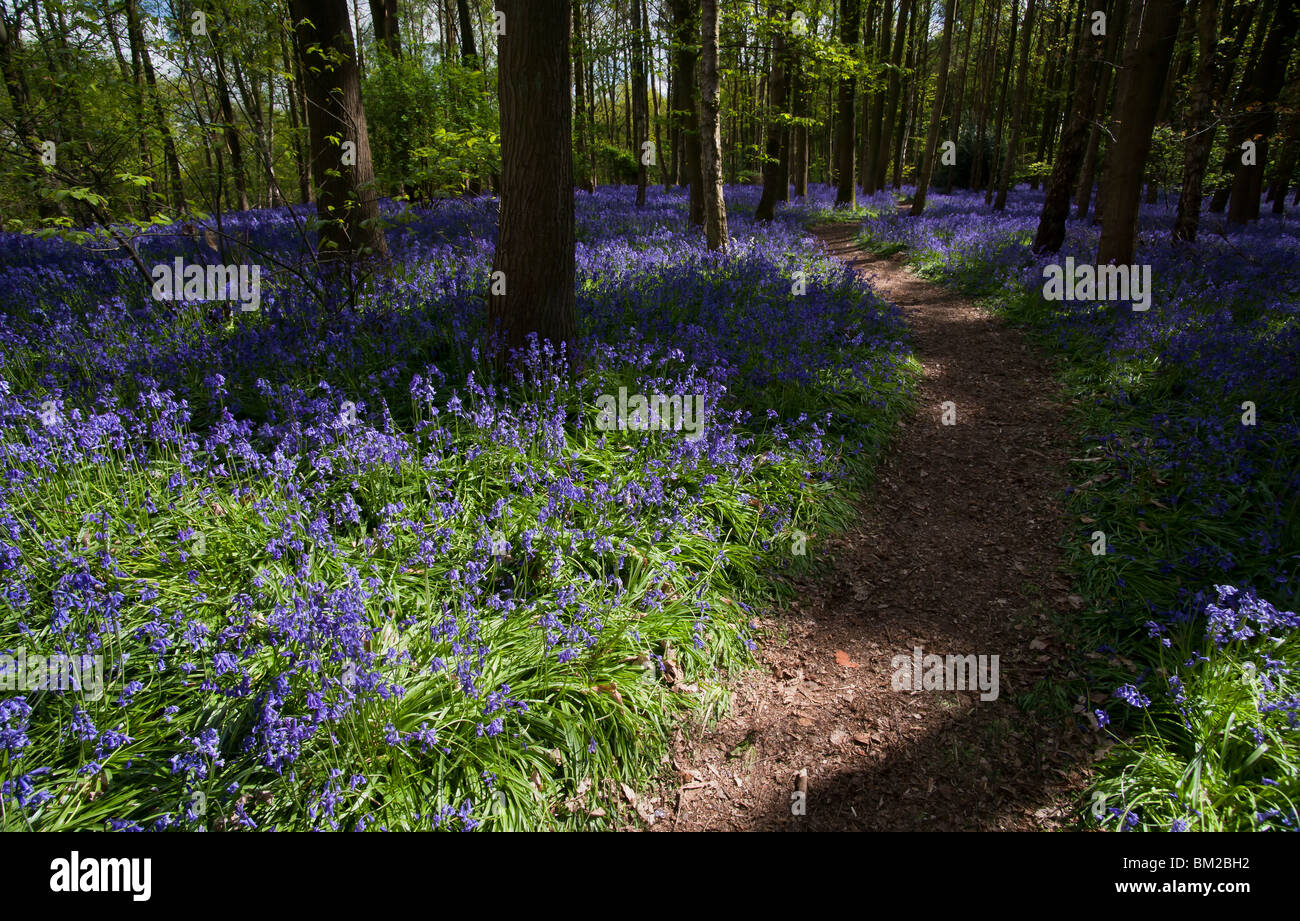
point(1189, 631)
point(341, 574)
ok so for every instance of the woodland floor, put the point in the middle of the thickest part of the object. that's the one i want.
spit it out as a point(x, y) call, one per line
point(957, 550)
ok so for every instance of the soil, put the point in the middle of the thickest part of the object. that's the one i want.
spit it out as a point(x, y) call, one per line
point(956, 551)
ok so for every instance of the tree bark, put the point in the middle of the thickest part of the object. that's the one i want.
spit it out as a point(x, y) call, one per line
point(536, 233)
point(346, 205)
point(1137, 98)
point(846, 195)
point(639, 114)
point(936, 113)
point(686, 55)
point(715, 207)
point(1200, 129)
point(1009, 157)
point(383, 13)
point(773, 179)
point(1074, 139)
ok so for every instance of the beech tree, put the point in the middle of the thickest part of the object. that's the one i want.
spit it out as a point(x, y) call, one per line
point(846, 195)
point(533, 269)
point(776, 177)
point(1137, 99)
point(347, 205)
point(1074, 139)
point(715, 207)
point(936, 113)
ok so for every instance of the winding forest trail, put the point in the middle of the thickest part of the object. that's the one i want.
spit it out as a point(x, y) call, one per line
point(957, 552)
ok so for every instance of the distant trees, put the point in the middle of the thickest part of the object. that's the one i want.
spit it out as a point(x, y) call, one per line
point(128, 109)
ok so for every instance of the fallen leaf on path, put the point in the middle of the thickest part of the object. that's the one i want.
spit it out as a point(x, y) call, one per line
point(843, 658)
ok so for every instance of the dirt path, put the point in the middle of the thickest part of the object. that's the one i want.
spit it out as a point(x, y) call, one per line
point(955, 552)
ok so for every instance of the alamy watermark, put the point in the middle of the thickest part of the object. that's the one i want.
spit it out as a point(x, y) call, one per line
point(658, 413)
point(103, 874)
point(174, 281)
point(1072, 282)
point(56, 672)
point(921, 672)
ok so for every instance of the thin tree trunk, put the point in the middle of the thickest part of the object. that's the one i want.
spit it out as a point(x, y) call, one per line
point(233, 144)
point(715, 207)
point(846, 195)
point(936, 113)
point(1074, 140)
point(1200, 129)
point(686, 27)
point(773, 177)
point(998, 149)
point(959, 98)
point(1009, 158)
point(639, 114)
point(873, 171)
point(586, 176)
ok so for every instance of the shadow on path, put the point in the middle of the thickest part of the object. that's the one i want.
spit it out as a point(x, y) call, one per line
point(957, 552)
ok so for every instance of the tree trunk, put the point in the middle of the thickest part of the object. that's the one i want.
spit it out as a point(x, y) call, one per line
point(776, 131)
point(346, 207)
point(536, 234)
point(1009, 157)
point(907, 85)
point(233, 144)
point(1074, 140)
point(1261, 85)
point(1244, 14)
point(799, 99)
point(686, 54)
point(1200, 129)
point(20, 96)
point(586, 176)
point(383, 13)
point(1286, 164)
point(171, 161)
point(639, 114)
point(998, 149)
point(715, 207)
point(1137, 97)
point(936, 113)
point(885, 139)
point(846, 194)
point(873, 171)
point(959, 98)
